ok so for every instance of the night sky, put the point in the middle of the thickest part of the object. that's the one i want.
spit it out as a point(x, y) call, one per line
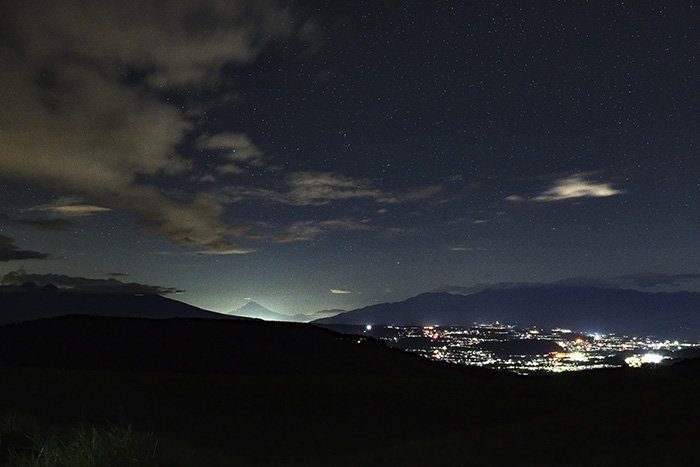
point(312, 155)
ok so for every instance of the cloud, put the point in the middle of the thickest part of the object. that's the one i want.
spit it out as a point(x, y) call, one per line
point(229, 251)
point(639, 280)
point(82, 87)
point(309, 230)
point(239, 151)
point(176, 43)
point(41, 224)
point(568, 282)
point(470, 289)
point(340, 291)
point(466, 248)
point(648, 280)
point(309, 189)
point(69, 206)
point(118, 274)
point(47, 224)
point(322, 188)
point(240, 146)
point(415, 195)
point(9, 251)
point(575, 186)
point(85, 285)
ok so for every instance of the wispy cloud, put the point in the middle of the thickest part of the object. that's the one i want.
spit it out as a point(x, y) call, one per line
point(466, 248)
point(575, 186)
point(9, 251)
point(228, 251)
point(69, 206)
point(646, 280)
point(309, 230)
point(340, 291)
point(652, 279)
point(309, 189)
point(321, 188)
point(239, 152)
point(56, 224)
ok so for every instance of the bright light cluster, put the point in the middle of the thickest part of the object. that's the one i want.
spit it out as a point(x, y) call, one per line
point(571, 351)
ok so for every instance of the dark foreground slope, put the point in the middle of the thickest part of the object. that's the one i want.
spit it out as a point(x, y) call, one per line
point(204, 346)
point(586, 309)
point(18, 306)
point(222, 393)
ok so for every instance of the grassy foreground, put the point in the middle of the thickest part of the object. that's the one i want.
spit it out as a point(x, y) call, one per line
point(26, 445)
point(81, 418)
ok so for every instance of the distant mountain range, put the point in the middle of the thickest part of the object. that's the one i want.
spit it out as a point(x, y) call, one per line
point(255, 310)
point(25, 303)
point(586, 309)
point(48, 302)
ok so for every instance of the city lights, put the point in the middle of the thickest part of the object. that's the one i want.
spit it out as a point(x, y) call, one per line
point(527, 351)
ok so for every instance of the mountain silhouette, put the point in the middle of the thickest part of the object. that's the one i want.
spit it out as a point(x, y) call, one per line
point(256, 310)
point(586, 309)
point(49, 302)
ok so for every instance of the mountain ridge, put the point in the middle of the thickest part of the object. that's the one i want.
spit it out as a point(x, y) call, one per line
point(582, 308)
point(255, 310)
point(19, 306)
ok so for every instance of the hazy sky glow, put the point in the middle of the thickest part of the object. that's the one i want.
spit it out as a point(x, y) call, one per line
point(312, 155)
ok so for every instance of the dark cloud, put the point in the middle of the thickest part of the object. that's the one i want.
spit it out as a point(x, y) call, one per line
point(647, 280)
point(470, 289)
point(47, 224)
point(9, 251)
point(41, 224)
point(85, 285)
point(588, 282)
point(640, 280)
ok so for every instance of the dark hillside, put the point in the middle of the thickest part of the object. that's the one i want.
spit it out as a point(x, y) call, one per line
point(18, 306)
point(205, 346)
